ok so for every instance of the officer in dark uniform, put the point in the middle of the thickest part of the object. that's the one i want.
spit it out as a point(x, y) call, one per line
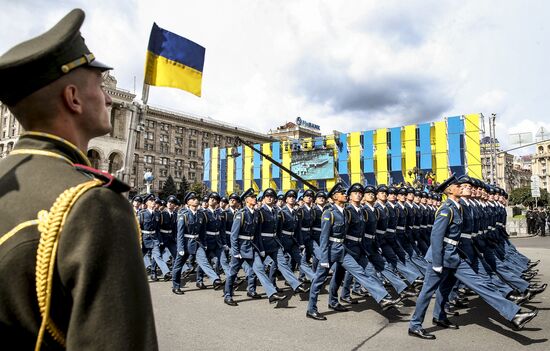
point(529, 215)
point(244, 248)
point(149, 222)
point(290, 234)
point(53, 86)
point(403, 231)
point(270, 245)
point(316, 214)
point(305, 214)
point(211, 238)
point(418, 231)
point(137, 201)
point(191, 241)
point(168, 225)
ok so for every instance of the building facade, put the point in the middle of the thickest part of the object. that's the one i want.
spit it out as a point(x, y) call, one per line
point(382, 156)
point(147, 139)
point(541, 164)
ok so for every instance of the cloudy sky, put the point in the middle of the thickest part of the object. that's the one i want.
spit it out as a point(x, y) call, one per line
point(344, 65)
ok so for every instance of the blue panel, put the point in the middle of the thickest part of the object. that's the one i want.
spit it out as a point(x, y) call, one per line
point(318, 142)
point(207, 160)
point(425, 146)
point(223, 171)
point(257, 166)
point(239, 167)
point(368, 157)
point(395, 150)
point(343, 159)
point(455, 129)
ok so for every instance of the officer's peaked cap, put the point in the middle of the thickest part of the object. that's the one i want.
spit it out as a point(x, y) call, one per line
point(337, 188)
point(448, 182)
point(356, 187)
point(35, 63)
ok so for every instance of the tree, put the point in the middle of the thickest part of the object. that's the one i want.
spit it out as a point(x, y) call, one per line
point(522, 196)
point(184, 188)
point(199, 189)
point(169, 187)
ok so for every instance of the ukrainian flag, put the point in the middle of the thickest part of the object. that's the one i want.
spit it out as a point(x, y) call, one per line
point(173, 61)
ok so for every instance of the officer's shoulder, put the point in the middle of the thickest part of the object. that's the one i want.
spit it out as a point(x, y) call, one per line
point(110, 182)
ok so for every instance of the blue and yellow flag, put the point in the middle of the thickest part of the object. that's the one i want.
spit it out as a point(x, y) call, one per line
point(173, 61)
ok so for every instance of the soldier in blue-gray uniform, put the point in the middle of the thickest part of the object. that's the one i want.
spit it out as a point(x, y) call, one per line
point(385, 235)
point(306, 216)
point(269, 243)
point(290, 234)
point(149, 222)
point(244, 248)
point(190, 226)
point(211, 236)
point(418, 231)
point(446, 266)
point(403, 229)
point(168, 225)
point(316, 216)
point(355, 258)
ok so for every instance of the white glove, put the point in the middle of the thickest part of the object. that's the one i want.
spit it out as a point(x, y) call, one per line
point(262, 253)
point(325, 265)
point(181, 253)
point(438, 269)
point(238, 256)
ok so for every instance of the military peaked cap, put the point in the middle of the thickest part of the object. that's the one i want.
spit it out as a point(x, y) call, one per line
point(248, 193)
point(214, 195)
point(309, 193)
point(337, 188)
point(270, 192)
point(382, 188)
point(356, 187)
point(35, 63)
point(369, 189)
point(448, 182)
point(189, 196)
point(290, 193)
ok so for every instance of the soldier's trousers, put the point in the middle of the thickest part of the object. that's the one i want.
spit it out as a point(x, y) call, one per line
point(204, 257)
point(356, 267)
point(202, 261)
point(258, 268)
point(281, 263)
point(319, 280)
point(157, 259)
point(483, 287)
point(294, 253)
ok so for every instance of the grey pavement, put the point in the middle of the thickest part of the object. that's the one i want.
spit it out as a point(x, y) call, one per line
point(199, 320)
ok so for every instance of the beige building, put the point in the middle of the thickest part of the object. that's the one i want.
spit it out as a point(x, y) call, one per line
point(299, 129)
point(161, 141)
point(541, 164)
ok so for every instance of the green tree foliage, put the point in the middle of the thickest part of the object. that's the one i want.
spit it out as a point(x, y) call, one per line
point(184, 188)
point(169, 187)
point(522, 196)
point(199, 189)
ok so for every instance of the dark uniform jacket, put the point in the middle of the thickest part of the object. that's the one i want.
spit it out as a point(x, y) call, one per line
point(356, 230)
point(213, 229)
point(245, 226)
point(443, 251)
point(289, 228)
point(316, 215)
point(168, 226)
point(227, 219)
point(190, 226)
point(149, 222)
point(267, 229)
point(334, 227)
point(97, 263)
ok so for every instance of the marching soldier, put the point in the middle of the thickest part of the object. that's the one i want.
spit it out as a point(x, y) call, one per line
point(190, 241)
point(211, 239)
point(149, 222)
point(403, 231)
point(316, 215)
point(168, 226)
point(305, 214)
point(244, 249)
point(53, 85)
point(269, 243)
point(137, 201)
point(290, 235)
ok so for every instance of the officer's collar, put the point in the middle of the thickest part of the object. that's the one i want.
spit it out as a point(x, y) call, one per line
point(371, 207)
point(341, 209)
point(52, 143)
point(455, 203)
point(400, 204)
point(270, 208)
point(466, 201)
point(320, 207)
point(289, 208)
point(357, 208)
point(381, 203)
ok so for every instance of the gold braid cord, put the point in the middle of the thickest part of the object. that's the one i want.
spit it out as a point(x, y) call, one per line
point(50, 225)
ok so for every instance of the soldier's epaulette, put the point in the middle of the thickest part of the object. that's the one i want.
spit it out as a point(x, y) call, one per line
point(110, 181)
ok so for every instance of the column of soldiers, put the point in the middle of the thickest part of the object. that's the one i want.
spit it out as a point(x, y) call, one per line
point(537, 221)
point(383, 242)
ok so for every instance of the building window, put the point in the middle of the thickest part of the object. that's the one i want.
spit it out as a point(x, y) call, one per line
point(179, 163)
point(229, 140)
point(205, 145)
point(148, 169)
point(192, 175)
point(192, 153)
point(193, 132)
point(178, 151)
point(165, 126)
point(178, 175)
point(205, 136)
point(148, 159)
point(149, 135)
point(164, 148)
point(192, 164)
point(218, 137)
point(179, 140)
point(164, 161)
point(179, 130)
point(150, 124)
point(192, 143)
point(148, 147)
point(163, 172)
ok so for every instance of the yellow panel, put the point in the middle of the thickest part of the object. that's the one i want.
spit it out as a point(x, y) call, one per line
point(247, 167)
point(409, 152)
point(266, 166)
point(441, 165)
point(473, 152)
point(381, 155)
point(214, 167)
point(330, 143)
point(287, 156)
point(230, 173)
point(355, 157)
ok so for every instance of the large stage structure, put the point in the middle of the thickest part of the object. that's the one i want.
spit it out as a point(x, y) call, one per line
point(382, 156)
